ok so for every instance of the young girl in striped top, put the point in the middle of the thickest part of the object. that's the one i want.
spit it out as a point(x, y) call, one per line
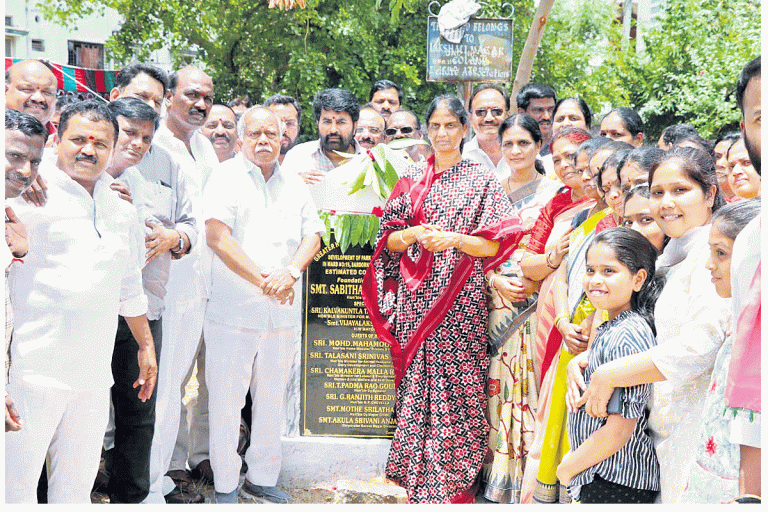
point(612, 460)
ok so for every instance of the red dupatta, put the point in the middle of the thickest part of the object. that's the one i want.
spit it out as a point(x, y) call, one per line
point(507, 232)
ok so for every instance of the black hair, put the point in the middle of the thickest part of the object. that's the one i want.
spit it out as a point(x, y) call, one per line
point(642, 190)
point(615, 160)
point(135, 110)
point(592, 146)
point(418, 121)
point(698, 166)
point(699, 142)
point(677, 132)
point(727, 136)
point(94, 110)
point(282, 99)
point(732, 218)
point(381, 85)
point(751, 70)
point(131, 71)
point(25, 123)
point(534, 91)
point(635, 252)
point(496, 87)
point(630, 118)
point(454, 105)
point(336, 100)
point(585, 111)
point(528, 124)
point(644, 157)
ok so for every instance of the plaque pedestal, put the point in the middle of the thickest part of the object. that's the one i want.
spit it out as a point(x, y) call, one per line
point(310, 462)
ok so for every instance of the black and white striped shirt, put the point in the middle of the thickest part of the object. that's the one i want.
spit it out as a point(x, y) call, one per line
point(635, 465)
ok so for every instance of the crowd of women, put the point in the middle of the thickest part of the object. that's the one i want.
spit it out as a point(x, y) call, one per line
point(571, 337)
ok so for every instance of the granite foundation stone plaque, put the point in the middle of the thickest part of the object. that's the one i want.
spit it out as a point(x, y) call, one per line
point(347, 378)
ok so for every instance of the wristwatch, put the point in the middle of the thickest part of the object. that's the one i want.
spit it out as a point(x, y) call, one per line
point(180, 250)
point(294, 271)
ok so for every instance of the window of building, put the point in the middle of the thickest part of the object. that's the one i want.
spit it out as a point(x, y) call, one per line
point(38, 45)
point(10, 47)
point(85, 55)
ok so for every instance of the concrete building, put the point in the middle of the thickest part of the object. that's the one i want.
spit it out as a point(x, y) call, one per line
point(29, 36)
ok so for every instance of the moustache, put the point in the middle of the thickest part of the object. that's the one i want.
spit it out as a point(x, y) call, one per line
point(221, 136)
point(18, 177)
point(368, 140)
point(195, 110)
point(41, 104)
point(80, 157)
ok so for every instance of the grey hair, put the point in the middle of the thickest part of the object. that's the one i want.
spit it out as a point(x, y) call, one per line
point(241, 121)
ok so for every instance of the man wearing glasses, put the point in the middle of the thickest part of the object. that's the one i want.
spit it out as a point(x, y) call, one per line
point(488, 107)
point(370, 127)
point(404, 124)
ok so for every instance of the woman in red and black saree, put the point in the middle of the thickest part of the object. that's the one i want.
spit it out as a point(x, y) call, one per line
point(446, 222)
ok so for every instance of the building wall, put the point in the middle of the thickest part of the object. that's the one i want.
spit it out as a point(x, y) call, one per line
point(28, 25)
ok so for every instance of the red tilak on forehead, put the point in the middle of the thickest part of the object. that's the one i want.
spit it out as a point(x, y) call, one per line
point(91, 137)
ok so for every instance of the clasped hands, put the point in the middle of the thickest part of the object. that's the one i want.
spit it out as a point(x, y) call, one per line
point(278, 285)
point(435, 240)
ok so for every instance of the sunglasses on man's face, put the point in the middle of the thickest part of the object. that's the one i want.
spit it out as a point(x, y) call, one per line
point(495, 112)
point(405, 130)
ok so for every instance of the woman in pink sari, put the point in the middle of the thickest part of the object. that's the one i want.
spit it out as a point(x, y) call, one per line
point(446, 222)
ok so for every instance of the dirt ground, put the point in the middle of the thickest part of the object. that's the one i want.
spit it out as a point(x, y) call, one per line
point(377, 490)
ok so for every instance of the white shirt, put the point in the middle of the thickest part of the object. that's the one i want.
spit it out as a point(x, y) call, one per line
point(269, 220)
point(189, 276)
point(473, 152)
point(80, 273)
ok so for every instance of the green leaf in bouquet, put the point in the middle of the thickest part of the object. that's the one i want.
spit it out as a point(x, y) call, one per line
point(360, 182)
point(356, 229)
point(344, 230)
point(405, 143)
point(390, 177)
point(373, 230)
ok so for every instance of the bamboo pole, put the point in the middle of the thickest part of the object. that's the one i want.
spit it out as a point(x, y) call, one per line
point(528, 54)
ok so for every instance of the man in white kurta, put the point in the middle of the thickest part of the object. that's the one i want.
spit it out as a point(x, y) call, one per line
point(81, 272)
point(188, 101)
point(264, 230)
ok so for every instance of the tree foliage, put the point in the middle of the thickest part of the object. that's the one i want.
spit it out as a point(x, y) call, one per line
point(686, 73)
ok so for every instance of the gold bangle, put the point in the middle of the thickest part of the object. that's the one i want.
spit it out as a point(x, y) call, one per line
point(491, 280)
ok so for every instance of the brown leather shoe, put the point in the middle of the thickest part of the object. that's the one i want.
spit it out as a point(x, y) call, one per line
point(180, 477)
point(185, 496)
point(203, 472)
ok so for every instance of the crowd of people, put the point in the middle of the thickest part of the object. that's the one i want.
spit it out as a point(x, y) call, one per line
point(573, 312)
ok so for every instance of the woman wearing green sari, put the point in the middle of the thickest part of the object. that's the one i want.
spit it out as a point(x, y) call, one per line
point(512, 397)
